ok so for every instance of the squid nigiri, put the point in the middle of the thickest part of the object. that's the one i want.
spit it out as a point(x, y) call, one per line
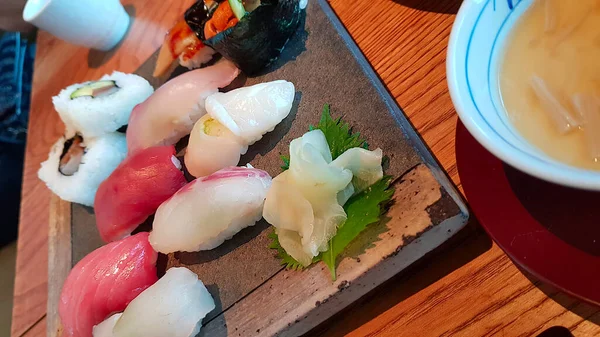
point(305, 202)
point(135, 190)
point(210, 210)
point(235, 120)
point(104, 282)
point(250, 112)
point(170, 113)
point(174, 307)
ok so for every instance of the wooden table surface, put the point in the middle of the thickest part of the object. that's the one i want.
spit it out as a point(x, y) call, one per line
point(467, 287)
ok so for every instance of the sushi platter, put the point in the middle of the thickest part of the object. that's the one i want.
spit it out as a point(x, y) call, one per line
point(253, 292)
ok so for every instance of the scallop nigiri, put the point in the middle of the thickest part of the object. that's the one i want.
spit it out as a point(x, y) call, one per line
point(236, 119)
point(174, 307)
point(135, 190)
point(170, 113)
point(104, 282)
point(210, 210)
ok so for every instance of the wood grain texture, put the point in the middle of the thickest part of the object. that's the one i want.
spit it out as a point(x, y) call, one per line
point(59, 259)
point(38, 329)
point(468, 287)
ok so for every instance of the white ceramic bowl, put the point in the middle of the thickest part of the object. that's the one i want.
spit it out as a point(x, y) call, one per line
point(476, 44)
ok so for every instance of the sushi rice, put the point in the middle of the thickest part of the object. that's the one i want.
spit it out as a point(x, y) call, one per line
point(105, 329)
point(102, 155)
point(94, 116)
point(201, 57)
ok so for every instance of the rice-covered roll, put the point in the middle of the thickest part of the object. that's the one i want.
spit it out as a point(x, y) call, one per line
point(250, 33)
point(98, 107)
point(76, 166)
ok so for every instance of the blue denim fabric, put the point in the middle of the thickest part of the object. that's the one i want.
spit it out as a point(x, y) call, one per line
point(16, 68)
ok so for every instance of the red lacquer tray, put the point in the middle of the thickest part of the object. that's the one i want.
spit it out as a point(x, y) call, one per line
point(551, 231)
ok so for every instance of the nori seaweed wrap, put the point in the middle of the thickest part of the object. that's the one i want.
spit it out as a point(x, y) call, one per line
point(257, 39)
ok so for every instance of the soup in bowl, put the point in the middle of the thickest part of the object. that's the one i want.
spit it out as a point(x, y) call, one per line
point(524, 77)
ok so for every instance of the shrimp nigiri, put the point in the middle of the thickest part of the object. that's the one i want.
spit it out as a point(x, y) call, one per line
point(210, 210)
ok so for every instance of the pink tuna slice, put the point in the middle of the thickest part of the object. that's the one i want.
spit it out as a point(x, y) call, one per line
point(135, 189)
point(171, 112)
point(104, 282)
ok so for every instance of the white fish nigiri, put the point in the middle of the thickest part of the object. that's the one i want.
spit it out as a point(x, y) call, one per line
point(305, 202)
point(250, 112)
point(170, 113)
point(174, 306)
point(105, 329)
point(212, 147)
point(210, 210)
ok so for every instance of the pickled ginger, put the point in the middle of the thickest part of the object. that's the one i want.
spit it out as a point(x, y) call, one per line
point(305, 203)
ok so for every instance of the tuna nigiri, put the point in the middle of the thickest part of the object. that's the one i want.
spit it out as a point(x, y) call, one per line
point(236, 119)
point(170, 113)
point(210, 210)
point(174, 307)
point(135, 190)
point(104, 282)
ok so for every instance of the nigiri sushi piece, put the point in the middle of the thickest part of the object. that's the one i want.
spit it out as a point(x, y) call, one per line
point(250, 112)
point(98, 107)
point(105, 329)
point(236, 120)
point(135, 190)
point(104, 282)
point(212, 147)
point(174, 307)
point(183, 44)
point(210, 210)
point(76, 165)
point(171, 112)
point(305, 203)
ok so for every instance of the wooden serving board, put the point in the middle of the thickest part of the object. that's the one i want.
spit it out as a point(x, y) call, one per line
point(255, 296)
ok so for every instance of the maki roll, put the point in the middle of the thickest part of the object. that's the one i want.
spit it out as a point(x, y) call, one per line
point(76, 166)
point(98, 107)
point(250, 33)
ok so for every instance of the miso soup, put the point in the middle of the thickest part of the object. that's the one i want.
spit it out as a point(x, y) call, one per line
point(550, 79)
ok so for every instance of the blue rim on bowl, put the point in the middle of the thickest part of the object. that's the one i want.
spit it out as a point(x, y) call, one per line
point(474, 51)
